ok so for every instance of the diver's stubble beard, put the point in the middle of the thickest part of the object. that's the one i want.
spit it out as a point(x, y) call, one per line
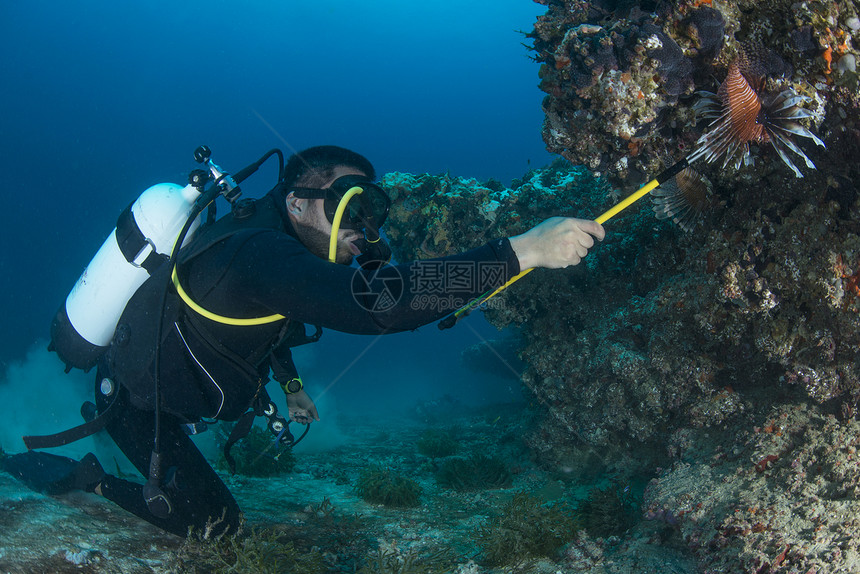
point(317, 243)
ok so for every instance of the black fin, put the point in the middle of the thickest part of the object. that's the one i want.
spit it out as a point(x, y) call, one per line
point(53, 474)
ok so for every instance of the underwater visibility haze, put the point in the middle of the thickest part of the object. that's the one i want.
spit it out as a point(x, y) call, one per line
point(685, 400)
point(102, 100)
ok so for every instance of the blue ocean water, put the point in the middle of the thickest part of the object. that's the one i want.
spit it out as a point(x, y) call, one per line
point(101, 100)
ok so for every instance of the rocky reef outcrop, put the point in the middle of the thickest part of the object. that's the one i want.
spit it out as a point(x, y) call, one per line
point(722, 364)
point(660, 329)
point(777, 494)
point(683, 358)
point(622, 78)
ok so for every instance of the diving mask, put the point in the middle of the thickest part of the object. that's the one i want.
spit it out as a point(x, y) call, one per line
point(365, 209)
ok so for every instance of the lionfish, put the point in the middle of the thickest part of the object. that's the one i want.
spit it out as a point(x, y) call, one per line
point(682, 198)
point(741, 112)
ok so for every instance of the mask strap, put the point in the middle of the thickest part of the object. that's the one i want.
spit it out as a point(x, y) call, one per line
point(338, 215)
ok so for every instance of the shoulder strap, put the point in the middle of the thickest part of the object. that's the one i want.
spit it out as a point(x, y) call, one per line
point(248, 217)
point(247, 214)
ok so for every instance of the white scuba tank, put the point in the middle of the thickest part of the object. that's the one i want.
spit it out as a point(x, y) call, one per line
point(144, 236)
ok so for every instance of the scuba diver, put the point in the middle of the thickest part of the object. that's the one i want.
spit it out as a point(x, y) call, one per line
point(225, 312)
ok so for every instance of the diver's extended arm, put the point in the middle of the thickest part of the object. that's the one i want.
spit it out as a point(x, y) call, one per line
point(556, 242)
point(279, 272)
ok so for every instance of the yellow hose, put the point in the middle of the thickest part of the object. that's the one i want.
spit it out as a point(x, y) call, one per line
point(220, 318)
point(332, 252)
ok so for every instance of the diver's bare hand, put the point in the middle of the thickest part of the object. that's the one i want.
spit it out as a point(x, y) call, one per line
point(301, 408)
point(557, 242)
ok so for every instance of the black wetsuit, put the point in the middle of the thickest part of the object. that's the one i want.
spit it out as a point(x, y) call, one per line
point(213, 370)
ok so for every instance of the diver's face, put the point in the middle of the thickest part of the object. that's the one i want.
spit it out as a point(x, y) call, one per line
point(314, 229)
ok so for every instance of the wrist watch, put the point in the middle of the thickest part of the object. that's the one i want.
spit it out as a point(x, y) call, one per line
point(294, 385)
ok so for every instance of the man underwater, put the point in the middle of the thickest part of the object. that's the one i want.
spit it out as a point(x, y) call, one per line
point(271, 258)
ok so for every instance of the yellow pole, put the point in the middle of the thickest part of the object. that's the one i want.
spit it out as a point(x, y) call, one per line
point(452, 319)
point(630, 200)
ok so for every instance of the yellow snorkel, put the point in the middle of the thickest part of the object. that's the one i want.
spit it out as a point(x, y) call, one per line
point(338, 215)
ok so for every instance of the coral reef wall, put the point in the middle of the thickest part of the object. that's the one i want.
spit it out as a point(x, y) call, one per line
point(660, 329)
point(766, 291)
point(728, 356)
point(664, 328)
point(620, 77)
point(726, 359)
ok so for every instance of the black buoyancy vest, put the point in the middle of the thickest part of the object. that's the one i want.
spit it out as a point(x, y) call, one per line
point(201, 377)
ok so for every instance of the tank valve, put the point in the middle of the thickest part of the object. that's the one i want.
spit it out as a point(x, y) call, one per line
point(202, 154)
